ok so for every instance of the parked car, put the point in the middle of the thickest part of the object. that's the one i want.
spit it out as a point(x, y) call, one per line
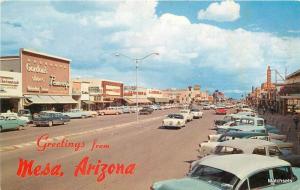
point(227, 118)
point(208, 147)
point(145, 111)
point(196, 113)
point(92, 113)
point(154, 107)
point(77, 113)
point(11, 122)
point(50, 118)
point(206, 107)
point(239, 172)
point(212, 106)
point(245, 121)
point(109, 111)
point(174, 121)
point(25, 113)
point(253, 146)
point(126, 109)
point(12, 114)
point(221, 111)
point(188, 114)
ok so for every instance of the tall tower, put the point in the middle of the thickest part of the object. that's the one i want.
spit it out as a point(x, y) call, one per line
point(268, 85)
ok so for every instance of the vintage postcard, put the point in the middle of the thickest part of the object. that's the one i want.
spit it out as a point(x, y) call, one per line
point(149, 94)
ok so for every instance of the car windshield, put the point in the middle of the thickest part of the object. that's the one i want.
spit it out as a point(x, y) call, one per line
point(175, 116)
point(260, 122)
point(215, 176)
point(44, 114)
point(224, 150)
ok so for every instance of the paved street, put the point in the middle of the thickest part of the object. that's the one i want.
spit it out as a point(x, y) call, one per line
point(158, 153)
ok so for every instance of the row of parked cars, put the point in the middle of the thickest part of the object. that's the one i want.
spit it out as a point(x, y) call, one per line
point(49, 118)
point(245, 153)
point(179, 120)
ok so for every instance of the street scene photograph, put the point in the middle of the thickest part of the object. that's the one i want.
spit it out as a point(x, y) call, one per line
point(149, 95)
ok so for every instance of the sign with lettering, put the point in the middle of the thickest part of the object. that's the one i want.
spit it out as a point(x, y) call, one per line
point(43, 74)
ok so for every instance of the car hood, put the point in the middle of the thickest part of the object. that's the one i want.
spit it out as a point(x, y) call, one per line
point(186, 183)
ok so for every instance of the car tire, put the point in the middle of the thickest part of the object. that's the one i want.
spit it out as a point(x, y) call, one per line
point(50, 124)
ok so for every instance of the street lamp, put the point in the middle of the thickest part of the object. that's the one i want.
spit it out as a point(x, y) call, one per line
point(136, 60)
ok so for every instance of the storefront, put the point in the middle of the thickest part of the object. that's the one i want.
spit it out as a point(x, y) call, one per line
point(10, 91)
point(112, 92)
point(46, 82)
point(289, 94)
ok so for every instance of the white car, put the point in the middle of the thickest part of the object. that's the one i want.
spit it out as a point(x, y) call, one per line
point(174, 121)
point(188, 114)
point(11, 114)
point(197, 113)
point(212, 106)
point(206, 107)
point(239, 172)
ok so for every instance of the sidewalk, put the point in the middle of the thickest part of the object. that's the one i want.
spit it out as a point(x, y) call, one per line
point(287, 126)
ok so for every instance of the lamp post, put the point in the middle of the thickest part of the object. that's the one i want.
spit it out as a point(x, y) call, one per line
point(136, 61)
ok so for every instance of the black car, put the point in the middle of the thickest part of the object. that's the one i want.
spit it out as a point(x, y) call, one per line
point(146, 111)
point(50, 118)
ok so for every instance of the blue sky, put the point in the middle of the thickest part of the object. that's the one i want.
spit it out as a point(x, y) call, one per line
point(219, 45)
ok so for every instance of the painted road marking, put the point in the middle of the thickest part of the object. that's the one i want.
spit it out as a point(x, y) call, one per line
point(22, 145)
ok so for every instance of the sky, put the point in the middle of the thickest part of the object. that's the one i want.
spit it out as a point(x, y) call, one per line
point(223, 45)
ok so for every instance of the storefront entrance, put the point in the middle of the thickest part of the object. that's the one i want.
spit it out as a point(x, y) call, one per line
point(11, 104)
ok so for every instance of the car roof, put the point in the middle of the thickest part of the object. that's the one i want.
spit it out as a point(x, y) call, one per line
point(244, 164)
point(247, 145)
point(49, 112)
point(243, 134)
point(247, 127)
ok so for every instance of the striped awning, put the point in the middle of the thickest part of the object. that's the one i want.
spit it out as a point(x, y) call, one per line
point(44, 99)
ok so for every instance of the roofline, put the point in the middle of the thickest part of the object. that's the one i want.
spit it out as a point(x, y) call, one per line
point(44, 54)
point(293, 74)
point(12, 57)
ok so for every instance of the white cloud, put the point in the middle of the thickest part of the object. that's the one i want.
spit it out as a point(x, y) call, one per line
point(226, 10)
point(90, 38)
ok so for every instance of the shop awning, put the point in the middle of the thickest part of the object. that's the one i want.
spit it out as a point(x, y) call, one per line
point(132, 101)
point(88, 102)
point(63, 99)
point(161, 100)
point(37, 99)
point(44, 99)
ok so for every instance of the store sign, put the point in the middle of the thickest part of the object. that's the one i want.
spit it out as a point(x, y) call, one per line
point(8, 81)
point(37, 79)
point(53, 82)
point(113, 90)
point(36, 68)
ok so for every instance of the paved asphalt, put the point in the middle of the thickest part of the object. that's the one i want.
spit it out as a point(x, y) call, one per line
point(157, 153)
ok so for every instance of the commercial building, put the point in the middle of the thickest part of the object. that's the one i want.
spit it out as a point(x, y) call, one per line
point(156, 96)
point(45, 80)
point(10, 84)
point(289, 94)
point(131, 96)
point(94, 94)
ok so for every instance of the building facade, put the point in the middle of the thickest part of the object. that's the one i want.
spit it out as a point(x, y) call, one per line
point(45, 80)
point(10, 84)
